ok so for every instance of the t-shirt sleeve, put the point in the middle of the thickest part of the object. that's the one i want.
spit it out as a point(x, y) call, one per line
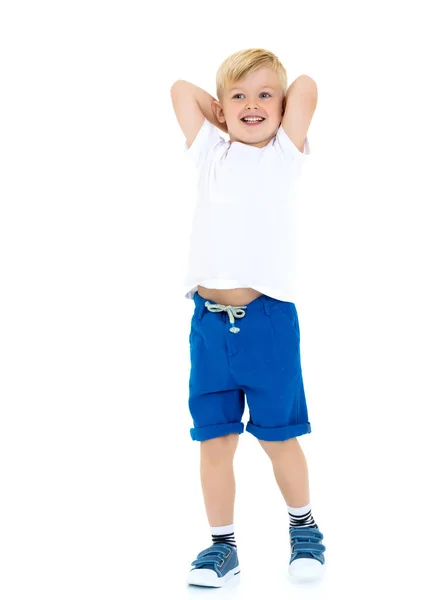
point(289, 152)
point(206, 139)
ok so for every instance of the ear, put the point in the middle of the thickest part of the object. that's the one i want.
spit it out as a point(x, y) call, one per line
point(218, 111)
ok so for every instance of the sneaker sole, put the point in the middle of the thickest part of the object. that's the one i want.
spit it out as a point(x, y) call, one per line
point(209, 578)
point(306, 570)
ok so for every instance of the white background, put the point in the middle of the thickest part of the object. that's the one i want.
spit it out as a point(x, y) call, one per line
point(100, 493)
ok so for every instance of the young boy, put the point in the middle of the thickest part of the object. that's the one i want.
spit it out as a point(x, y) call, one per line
point(245, 338)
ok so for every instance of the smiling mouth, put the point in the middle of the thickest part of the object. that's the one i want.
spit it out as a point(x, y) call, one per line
point(253, 123)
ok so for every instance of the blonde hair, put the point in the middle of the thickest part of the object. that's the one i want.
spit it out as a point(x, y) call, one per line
point(243, 63)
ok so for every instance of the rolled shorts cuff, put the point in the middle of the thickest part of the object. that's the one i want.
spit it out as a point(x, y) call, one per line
point(278, 434)
point(200, 434)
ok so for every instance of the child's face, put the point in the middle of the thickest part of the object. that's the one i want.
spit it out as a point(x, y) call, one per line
point(261, 94)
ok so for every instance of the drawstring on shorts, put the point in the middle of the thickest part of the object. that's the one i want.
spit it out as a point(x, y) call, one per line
point(233, 312)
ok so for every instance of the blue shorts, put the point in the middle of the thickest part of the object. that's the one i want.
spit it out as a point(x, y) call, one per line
point(251, 352)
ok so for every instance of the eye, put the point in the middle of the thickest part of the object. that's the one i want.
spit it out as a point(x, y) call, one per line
point(243, 94)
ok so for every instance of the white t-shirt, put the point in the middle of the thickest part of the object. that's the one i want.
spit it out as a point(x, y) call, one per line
point(243, 225)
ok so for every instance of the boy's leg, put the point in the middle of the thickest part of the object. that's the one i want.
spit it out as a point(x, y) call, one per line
point(290, 470)
point(215, 565)
point(217, 478)
point(291, 473)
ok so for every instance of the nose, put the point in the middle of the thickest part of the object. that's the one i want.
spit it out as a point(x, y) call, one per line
point(252, 102)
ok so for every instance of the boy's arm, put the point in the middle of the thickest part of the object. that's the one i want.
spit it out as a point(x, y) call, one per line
point(192, 105)
point(299, 106)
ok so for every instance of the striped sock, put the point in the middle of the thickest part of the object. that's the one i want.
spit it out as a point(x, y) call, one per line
point(224, 535)
point(301, 517)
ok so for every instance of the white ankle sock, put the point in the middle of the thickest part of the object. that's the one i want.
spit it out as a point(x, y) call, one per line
point(224, 535)
point(224, 530)
point(301, 517)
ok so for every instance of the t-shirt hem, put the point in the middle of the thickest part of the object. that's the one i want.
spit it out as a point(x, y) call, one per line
point(215, 284)
point(227, 284)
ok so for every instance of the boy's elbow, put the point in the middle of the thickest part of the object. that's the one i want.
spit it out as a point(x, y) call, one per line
point(306, 78)
point(308, 82)
point(177, 82)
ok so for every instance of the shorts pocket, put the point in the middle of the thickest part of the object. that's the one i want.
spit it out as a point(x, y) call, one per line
point(291, 314)
point(194, 327)
point(287, 314)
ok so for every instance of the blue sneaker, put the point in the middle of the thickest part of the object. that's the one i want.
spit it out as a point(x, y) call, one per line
point(307, 561)
point(214, 566)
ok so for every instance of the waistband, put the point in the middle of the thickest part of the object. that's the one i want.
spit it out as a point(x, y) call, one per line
point(260, 304)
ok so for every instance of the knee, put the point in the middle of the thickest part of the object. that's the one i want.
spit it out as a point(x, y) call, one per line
point(276, 449)
point(220, 449)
